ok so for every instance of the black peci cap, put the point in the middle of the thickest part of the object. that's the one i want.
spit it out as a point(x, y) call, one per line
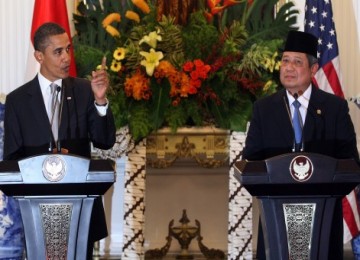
point(298, 41)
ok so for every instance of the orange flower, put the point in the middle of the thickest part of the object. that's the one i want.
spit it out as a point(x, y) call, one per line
point(228, 3)
point(165, 68)
point(109, 19)
point(142, 5)
point(132, 16)
point(212, 3)
point(138, 86)
point(217, 9)
point(112, 31)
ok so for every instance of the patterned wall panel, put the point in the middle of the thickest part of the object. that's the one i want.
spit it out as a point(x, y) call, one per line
point(240, 207)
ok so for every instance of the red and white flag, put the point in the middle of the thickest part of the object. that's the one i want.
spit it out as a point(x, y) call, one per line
point(319, 22)
point(47, 11)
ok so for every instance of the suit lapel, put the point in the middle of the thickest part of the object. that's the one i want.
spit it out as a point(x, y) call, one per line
point(67, 99)
point(37, 106)
point(314, 127)
point(283, 117)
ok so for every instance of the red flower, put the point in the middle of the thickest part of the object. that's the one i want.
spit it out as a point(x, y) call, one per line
point(188, 66)
point(212, 3)
point(217, 9)
point(228, 3)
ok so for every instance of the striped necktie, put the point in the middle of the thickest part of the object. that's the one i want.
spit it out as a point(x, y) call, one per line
point(54, 110)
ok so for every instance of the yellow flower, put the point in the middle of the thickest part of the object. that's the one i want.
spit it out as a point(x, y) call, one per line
point(277, 65)
point(267, 85)
point(151, 39)
point(115, 66)
point(142, 5)
point(119, 54)
point(151, 61)
point(112, 31)
point(109, 19)
point(132, 16)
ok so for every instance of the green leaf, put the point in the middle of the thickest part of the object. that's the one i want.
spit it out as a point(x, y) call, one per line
point(159, 102)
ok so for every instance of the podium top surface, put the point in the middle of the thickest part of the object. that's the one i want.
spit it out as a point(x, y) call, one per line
point(303, 173)
point(56, 174)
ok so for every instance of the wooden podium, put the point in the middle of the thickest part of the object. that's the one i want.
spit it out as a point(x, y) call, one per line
point(297, 194)
point(56, 195)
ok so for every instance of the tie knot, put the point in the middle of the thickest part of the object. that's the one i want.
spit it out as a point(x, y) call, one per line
point(53, 87)
point(296, 103)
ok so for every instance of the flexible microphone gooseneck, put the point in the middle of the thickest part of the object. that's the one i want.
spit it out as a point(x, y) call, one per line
point(58, 146)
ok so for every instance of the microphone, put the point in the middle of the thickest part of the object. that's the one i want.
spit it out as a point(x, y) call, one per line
point(53, 109)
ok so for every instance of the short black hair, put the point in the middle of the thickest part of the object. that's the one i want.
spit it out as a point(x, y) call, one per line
point(43, 33)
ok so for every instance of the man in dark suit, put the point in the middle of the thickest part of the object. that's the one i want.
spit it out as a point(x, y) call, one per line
point(326, 124)
point(83, 114)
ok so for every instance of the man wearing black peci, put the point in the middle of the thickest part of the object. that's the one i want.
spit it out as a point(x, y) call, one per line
point(325, 124)
point(79, 114)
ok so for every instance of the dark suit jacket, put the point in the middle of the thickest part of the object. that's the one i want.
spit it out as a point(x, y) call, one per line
point(328, 128)
point(28, 130)
point(27, 127)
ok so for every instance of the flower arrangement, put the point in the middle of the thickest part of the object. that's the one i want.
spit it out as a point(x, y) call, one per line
point(207, 70)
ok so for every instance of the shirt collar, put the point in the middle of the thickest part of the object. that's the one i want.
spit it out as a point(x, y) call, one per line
point(45, 83)
point(303, 99)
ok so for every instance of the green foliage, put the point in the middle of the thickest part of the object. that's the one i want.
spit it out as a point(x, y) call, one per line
point(241, 46)
point(159, 103)
point(268, 27)
point(199, 37)
point(139, 122)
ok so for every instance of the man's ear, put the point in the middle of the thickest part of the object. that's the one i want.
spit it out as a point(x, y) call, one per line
point(38, 56)
point(314, 68)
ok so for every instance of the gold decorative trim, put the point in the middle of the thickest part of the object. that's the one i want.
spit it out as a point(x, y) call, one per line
point(207, 146)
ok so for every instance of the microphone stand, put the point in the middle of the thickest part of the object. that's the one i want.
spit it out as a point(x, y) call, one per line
point(60, 116)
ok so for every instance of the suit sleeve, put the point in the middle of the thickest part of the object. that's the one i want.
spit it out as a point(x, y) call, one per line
point(102, 129)
point(12, 135)
point(253, 149)
point(346, 137)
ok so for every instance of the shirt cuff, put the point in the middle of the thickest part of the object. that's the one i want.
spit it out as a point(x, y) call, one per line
point(102, 108)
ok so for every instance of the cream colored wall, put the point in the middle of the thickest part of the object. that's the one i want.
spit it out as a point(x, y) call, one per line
point(348, 42)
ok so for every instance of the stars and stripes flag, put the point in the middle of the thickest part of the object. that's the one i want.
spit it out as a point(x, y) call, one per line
point(47, 11)
point(319, 22)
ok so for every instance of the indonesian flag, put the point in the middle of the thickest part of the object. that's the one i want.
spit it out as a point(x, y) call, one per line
point(319, 22)
point(47, 11)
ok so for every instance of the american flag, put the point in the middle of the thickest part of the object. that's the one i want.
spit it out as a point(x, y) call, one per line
point(319, 22)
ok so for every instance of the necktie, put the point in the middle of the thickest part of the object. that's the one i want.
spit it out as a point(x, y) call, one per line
point(297, 122)
point(54, 110)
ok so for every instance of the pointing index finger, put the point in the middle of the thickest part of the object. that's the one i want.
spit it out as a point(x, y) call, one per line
point(103, 63)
